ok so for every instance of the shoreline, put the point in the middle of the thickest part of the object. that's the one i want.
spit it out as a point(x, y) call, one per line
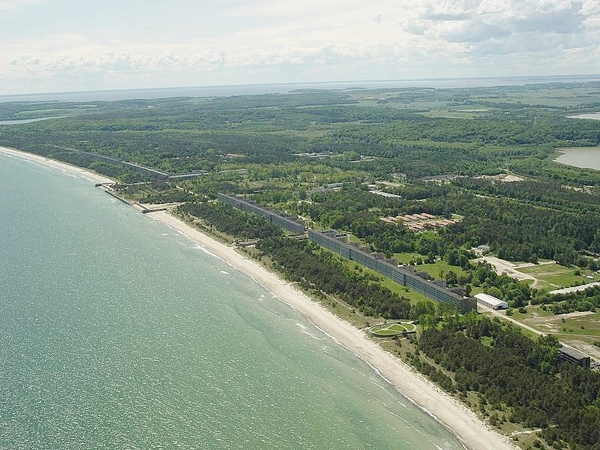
point(462, 422)
point(471, 431)
point(76, 170)
point(578, 157)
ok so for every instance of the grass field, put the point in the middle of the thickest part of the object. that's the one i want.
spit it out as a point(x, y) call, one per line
point(439, 269)
point(405, 258)
point(392, 329)
point(578, 329)
point(554, 276)
point(436, 270)
point(396, 288)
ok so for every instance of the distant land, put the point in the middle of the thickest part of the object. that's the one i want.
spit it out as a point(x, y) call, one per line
point(284, 88)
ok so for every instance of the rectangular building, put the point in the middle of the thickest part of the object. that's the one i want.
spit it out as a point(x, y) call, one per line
point(399, 275)
point(574, 357)
point(490, 301)
point(295, 226)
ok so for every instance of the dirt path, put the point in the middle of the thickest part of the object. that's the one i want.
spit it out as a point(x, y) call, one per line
point(503, 316)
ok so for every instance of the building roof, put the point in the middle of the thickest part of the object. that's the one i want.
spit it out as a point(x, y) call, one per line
point(573, 353)
point(490, 299)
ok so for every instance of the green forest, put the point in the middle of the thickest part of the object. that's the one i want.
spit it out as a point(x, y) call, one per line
point(519, 377)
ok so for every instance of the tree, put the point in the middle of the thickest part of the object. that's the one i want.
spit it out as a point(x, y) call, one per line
point(422, 308)
point(468, 288)
point(451, 278)
point(545, 352)
point(495, 292)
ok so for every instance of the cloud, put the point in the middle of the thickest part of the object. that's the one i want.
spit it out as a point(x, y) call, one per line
point(270, 40)
point(471, 31)
point(484, 24)
point(115, 62)
point(448, 10)
point(198, 60)
point(14, 5)
point(562, 21)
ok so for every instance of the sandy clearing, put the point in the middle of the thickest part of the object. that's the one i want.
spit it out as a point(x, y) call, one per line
point(503, 266)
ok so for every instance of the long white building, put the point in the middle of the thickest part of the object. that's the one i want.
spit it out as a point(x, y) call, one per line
point(490, 301)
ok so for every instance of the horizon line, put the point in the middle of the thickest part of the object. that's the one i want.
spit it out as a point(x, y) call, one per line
point(301, 83)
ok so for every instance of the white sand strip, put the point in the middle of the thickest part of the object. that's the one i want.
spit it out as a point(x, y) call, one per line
point(473, 432)
point(463, 422)
point(75, 170)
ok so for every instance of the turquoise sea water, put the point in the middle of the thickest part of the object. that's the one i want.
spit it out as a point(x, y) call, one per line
point(116, 332)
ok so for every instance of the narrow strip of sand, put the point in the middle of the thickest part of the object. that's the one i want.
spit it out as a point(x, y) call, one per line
point(75, 170)
point(464, 423)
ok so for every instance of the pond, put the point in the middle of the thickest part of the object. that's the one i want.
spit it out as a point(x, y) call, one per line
point(23, 121)
point(584, 157)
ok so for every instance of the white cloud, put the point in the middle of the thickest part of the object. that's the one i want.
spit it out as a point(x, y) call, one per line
point(14, 5)
point(510, 24)
point(270, 40)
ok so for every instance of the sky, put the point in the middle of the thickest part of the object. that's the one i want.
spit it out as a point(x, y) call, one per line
point(81, 45)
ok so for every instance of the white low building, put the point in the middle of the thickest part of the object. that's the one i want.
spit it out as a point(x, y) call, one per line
point(490, 301)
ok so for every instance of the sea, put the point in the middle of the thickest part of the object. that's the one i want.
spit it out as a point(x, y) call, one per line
point(284, 88)
point(116, 332)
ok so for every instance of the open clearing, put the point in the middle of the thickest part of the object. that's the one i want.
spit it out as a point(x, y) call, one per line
point(554, 276)
point(546, 275)
point(509, 268)
point(580, 330)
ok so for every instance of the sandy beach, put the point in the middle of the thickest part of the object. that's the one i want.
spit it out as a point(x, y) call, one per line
point(464, 423)
point(57, 164)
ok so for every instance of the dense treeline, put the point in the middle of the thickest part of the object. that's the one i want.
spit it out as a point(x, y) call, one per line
point(507, 368)
point(323, 271)
point(229, 220)
point(183, 134)
point(303, 263)
point(520, 232)
point(516, 231)
point(477, 134)
point(547, 194)
point(157, 192)
point(584, 300)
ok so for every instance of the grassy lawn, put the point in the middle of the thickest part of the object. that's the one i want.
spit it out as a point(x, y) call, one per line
point(405, 258)
point(574, 329)
point(581, 326)
point(396, 288)
point(555, 276)
point(436, 270)
point(439, 269)
point(393, 329)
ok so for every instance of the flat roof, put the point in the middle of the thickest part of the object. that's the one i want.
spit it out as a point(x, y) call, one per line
point(490, 299)
point(573, 353)
point(582, 287)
